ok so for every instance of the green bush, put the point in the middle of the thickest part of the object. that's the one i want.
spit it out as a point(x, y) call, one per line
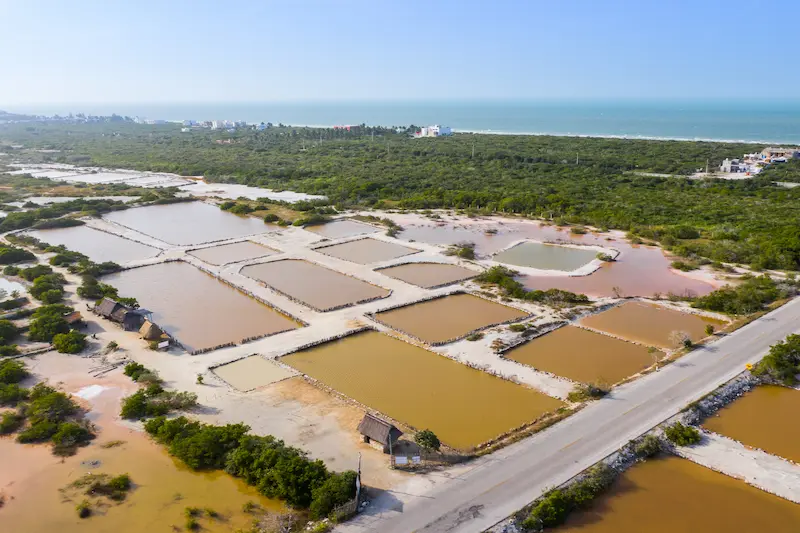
point(69, 436)
point(505, 279)
point(782, 363)
point(428, 440)
point(12, 372)
point(12, 394)
point(8, 331)
point(44, 327)
point(10, 422)
point(71, 342)
point(681, 435)
point(337, 490)
point(271, 218)
point(84, 509)
point(11, 254)
point(649, 446)
point(748, 297)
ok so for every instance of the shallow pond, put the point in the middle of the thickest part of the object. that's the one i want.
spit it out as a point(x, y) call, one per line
point(429, 275)
point(232, 253)
point(448, 317)
point(463, 406)
point(764, 418)
point(314, 285)
point(649, 323)
point(546, 256)
point(671, 494)
point(584, 356)
point(188, 223)
point(365, 251)
point(251, 373)
point(98, 246)
point(200, 311)
point(342, 228)
point(638, 271)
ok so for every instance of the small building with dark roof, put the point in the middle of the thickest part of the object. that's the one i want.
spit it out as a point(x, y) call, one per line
point(107, 307)
point(130, 318)
point(378, 433)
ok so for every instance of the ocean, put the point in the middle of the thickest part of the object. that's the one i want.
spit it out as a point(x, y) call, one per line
point(743, 121)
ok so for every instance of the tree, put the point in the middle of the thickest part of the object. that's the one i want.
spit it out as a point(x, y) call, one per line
point(682, 435)
point(72, 342)
point(12, 372)
point(680, 339)
point(782, 363)
point(46, 327)
point(709, 329)
point(428, 440)
point(337, 490)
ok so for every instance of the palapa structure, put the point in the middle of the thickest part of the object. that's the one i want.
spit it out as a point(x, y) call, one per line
point(378, 433)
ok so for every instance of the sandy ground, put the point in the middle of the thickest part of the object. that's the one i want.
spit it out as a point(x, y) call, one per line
point(758, 468)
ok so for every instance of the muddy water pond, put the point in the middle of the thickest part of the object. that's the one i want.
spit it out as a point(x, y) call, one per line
point(429, 275)
point(546, 256)
point(163, 488)
point(252, 372)
point(449, 317)
point(649, 323)
point(232, 253)
point(98, 246)
point(671, 494)
point(583, 355)
point(463, 406)
point(638, 271)
point(365, 251)
point(200, 311)
point(188, 223)
point(314, 285)
point(765, 418)
point(338, 229)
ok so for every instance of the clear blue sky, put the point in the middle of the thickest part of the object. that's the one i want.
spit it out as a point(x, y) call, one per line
point(261, 50)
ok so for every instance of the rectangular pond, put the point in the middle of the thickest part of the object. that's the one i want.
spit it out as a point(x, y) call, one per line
point(584, 356)
point(314, 285)
point(251, 373)
point(200, 311)
point(98, 246)
point(338, 229)
point(449, 317)
point(670, 494)
point(429, 275)
point(365, 251)
point(188, 223)
point(765, 418)
point(546, 256)
point(233, 253)
point(463, 406)
point(649, 323)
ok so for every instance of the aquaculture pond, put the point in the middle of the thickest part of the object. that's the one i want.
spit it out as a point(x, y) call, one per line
point(583, 355)
point(638, 271)
point(365, 251)
point(314, 285)
point(449, 317)
point(251, 373)
point(429, 275)
point(649, 323)
point(97, 245)
point(338, 229)
point(233, 253)
point(199, 310)
point(463, 406)
point(765, 418)
point(671, 494)
point(188, 223)
point(546, 256)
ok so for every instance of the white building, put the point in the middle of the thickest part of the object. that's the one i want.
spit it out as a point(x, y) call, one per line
point(434, 131)
point(217, 124)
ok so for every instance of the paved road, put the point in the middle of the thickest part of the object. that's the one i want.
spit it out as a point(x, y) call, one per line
point(500, 484)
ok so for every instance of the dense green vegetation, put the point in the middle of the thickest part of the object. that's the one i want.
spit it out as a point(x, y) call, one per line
point(752, 295)
point(48, 321)
point(276, 470)
point(782, 363)
point(45, 217)
point(743, 221)
point(152, 400)
point(504, 278)
point(70, 342)
point(785, 172)
point(682, 435)
point(11, 255)
point(428, 440)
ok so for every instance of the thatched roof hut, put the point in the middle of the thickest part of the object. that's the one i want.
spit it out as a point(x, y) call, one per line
point(150, 331)
point(379, 433)
point(107, 307)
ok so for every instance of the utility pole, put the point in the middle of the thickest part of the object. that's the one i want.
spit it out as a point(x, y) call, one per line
point(577, 158)
point(473, 149)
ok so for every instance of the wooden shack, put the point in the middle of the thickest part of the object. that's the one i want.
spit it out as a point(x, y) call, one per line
point(378, 433)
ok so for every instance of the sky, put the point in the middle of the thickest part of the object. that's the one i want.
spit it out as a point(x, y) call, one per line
point(56, 51)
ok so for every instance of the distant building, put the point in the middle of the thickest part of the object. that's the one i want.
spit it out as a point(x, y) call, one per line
point(262, 127)
point(130, 319)
point(217, 124)
point(773, 152)
point(732, 165)
point(434, 131)
point(378, 433)
point(186, 130)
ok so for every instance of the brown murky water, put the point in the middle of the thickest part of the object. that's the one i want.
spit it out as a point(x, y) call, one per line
point(312, 284)
point(342, 228)
point(365, 251)
point(670, 494)
point(200, 311)
point(638, 271)
point(252, 372)
point(428, 275)
point(765, 418)
point(449, 317)
point(163, 488)
point(584, 356)
point(463, 406)
point(649, 323)
point(98, 246)
point(233, 253)
point(546, 256)
point(188, 223)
